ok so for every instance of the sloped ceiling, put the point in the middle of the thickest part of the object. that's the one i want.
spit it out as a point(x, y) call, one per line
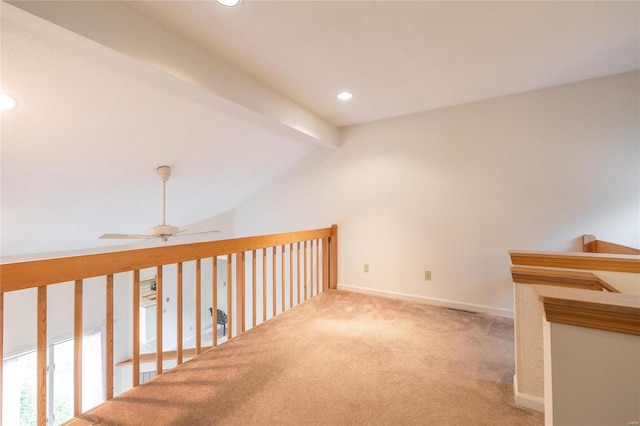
point(78, 155)
point(403, 57)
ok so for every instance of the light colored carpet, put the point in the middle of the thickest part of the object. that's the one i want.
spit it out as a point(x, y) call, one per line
point(340, 358)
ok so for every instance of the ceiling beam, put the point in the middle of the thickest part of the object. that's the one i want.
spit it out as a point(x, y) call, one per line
point(121, 27)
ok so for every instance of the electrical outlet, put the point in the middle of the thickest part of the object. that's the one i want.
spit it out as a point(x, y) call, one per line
point(427, 275)
point(366, 267)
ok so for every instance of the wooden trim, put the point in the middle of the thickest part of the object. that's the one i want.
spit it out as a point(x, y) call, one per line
point(589, 261)
point(198, 306)
point(561, 278)
point(254, 274)
point(166, 355)
point(35, 273)
point(613, 312)
point(179, 313)
point(159, 300)
point(109, 340)
point(214, 297)
point(240, 302)
point(42, 357)
point(333, 262)
point(264, 285)
point(77, 348)
point(229, 298)
point(274, 282)
point(136, 328)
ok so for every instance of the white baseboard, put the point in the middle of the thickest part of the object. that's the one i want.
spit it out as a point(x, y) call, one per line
point(490, 310)
point(526, 400)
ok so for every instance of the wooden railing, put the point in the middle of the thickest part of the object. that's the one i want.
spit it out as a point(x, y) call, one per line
point(306, 251)
point(560, 278)
point(536, 276)
point(590, 244)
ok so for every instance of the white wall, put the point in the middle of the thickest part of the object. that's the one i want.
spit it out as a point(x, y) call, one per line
point(452, 190)
point(593, 376)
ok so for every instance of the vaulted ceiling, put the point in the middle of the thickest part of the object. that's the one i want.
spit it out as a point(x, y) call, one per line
point(232, 97)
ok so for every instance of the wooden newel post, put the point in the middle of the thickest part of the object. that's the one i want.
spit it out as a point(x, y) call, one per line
point(333, 258)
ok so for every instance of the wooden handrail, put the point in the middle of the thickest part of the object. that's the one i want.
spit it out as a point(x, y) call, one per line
point(588, 261)
point(614, 312)
point(39, 274)
point(560, 278)
point(590, 244)
point(35, 273)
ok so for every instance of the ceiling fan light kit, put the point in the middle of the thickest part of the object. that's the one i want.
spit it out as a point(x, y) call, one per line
point(162, 231)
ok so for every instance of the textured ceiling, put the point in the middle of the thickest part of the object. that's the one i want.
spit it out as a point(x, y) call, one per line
point(402, 57)
point(78, 156)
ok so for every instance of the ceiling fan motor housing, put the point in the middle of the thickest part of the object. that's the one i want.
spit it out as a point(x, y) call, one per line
point(163, 230)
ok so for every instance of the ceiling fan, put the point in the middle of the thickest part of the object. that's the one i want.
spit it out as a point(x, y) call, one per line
point(162, 231)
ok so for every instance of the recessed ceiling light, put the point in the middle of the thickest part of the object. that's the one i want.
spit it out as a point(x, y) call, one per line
point(345, 96)
point(7, 102)
point(228, 3)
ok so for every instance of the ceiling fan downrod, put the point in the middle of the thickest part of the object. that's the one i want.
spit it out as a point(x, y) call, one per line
point(163, 230)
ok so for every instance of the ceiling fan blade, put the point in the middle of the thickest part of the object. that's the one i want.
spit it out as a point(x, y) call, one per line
point(184, 232)
point(127, 236)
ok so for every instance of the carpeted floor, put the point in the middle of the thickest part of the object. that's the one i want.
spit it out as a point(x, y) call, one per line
point(340, 358)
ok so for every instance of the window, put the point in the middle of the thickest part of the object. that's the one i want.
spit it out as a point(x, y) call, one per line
point(19, 396)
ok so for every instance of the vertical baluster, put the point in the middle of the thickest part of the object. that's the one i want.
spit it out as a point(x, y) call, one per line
point(159, 299)
point(179, 314)
point(273, 264)
point(136, 327)
point(298, 270)
point(318, 267)
point(42, 357)
point(77, 348)
point(198, 306)
point(283, 278)
point(214, 301)
point(291, 275)
point(311, 267)
point(229, 300)
point(240, 313)
point(264, 284)
point(253, 281)
point(305, 271)
point(109, 327)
